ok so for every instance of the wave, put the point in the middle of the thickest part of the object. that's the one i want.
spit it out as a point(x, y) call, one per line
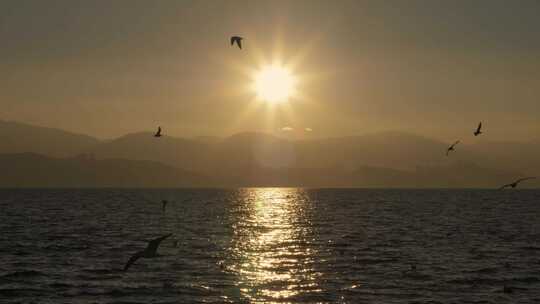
point(19, 292)
point(23, 274)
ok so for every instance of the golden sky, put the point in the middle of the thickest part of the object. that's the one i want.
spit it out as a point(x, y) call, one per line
point(434, 68)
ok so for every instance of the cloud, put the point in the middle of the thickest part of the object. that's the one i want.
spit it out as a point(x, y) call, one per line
point(286, 129)
point(308, 129)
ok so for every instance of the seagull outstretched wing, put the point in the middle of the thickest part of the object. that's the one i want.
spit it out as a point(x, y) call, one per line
point(524, 179)
point(514, 184)
point(133, 259)
point(478, 130)
point(154, 244)
point(451, 148)
point(158, 133)
point(505, 186)
point(237, 40)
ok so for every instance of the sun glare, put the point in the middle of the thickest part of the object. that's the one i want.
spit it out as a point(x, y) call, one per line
point(274, 84)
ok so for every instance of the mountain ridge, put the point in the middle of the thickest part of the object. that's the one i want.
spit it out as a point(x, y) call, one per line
point(255, 158)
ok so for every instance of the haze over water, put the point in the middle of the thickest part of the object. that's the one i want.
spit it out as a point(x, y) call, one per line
point(272, 245)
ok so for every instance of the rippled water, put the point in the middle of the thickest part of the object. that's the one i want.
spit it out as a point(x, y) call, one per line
point(271, 245)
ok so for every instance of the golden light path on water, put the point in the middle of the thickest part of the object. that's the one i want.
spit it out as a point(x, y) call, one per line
point(271, 248)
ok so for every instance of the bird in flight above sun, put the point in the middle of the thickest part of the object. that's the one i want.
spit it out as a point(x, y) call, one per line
point(237, 40)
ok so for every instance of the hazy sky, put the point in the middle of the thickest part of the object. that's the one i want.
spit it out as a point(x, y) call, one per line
point(435, 68)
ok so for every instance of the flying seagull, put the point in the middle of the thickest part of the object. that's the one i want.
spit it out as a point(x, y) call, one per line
point(514, 184)
point(149, 252)
point(164, 205)
point(451, 148)
point(237, 40)
point(478, 132)
point(158, 133)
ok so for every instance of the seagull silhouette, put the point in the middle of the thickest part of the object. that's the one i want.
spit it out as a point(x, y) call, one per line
point(478, 132)
point(164, 205)
point(451, 148)
point(149, 252)
point(158, 133)
point(237, 40)
point(514, 184)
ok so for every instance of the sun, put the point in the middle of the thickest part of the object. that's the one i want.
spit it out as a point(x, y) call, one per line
point(274, 84)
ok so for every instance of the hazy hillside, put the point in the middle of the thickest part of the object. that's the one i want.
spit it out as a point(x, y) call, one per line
point(387, 159)
point(19, 138)
point(181, 153)
point(242, 151)
point(33, 170)
point(520, 156)
point(387, 149)
point(251, 150)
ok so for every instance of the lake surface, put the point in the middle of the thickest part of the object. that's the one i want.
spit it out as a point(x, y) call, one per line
point(271, 245)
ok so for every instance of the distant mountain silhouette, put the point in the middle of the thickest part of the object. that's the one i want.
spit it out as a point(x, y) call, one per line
point(181, 153)
point(397, 150)
point(251, 150)
point(208, 139)
point(34, 170)
point(386, 159)
point(18, 138)
point(519, 156)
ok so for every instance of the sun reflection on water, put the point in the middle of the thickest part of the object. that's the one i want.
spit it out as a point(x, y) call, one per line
point(272, 253)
